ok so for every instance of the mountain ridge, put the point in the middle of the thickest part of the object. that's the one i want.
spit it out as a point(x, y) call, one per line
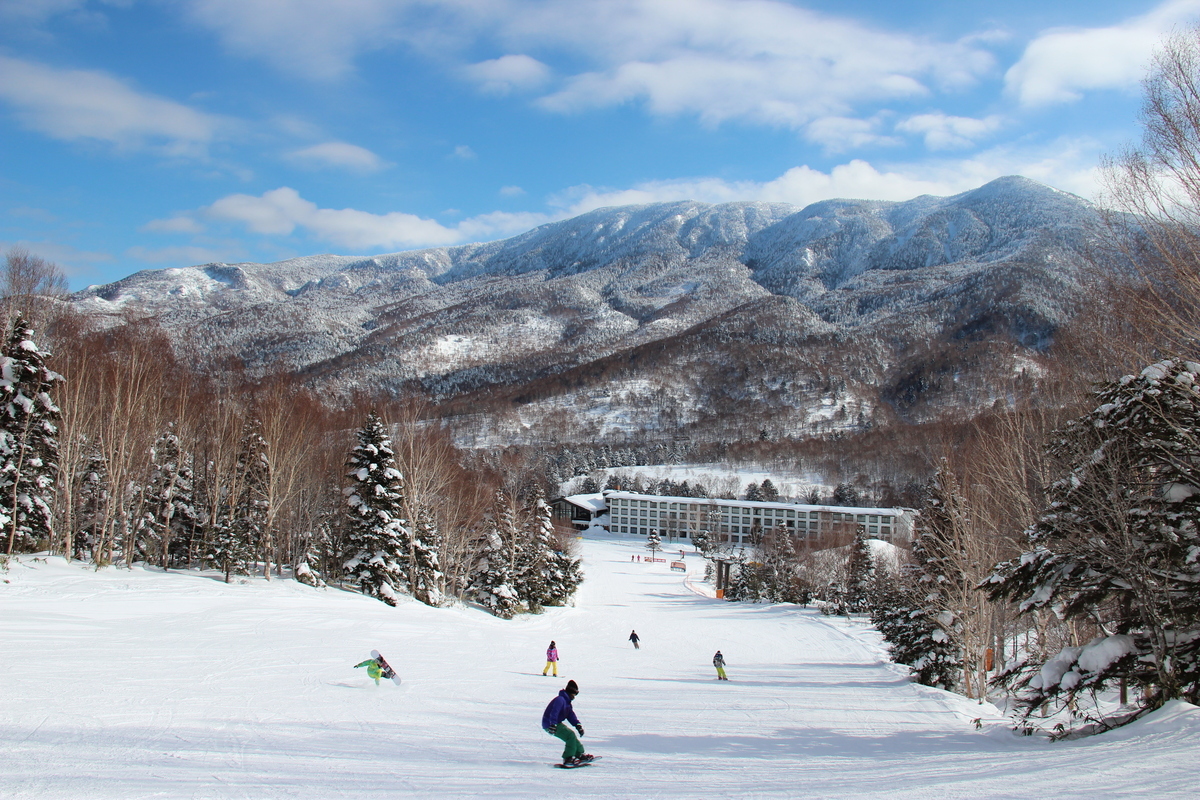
point(992, 273)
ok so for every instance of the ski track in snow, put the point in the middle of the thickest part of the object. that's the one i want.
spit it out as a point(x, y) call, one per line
point(135, 684)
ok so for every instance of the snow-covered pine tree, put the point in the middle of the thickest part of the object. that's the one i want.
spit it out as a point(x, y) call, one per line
point(897, 611)
point(653, 542)
point(492, 578)
point(236, 535)
point(860, 573)
point(1117, 545)
point(93, 506)
point(901, 611)
point(938, 554)
point(424, 573)
point(376, 533)
point(768, 491)
point(28, 440)
point(169, 511)
point(560, 575)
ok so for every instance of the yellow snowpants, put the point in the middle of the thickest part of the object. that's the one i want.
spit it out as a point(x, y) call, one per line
point(550, 664)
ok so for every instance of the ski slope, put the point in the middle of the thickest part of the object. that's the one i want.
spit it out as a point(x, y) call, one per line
point(135, 684)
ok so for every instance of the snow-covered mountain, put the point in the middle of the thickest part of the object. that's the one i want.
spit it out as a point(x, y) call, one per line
point(686, 315)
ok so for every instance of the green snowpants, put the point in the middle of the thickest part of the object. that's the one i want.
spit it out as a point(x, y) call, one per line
point(573, 747)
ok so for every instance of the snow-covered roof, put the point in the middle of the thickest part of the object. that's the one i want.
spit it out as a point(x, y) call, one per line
point(593, 501)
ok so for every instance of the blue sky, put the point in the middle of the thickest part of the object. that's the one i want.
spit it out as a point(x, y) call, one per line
point(143, 134)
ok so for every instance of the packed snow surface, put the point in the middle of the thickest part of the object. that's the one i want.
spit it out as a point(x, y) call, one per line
point(135, 684)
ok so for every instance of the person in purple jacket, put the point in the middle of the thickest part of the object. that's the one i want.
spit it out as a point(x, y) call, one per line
point(556, 712)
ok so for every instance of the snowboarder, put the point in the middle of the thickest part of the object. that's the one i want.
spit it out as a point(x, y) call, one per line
point(374, 668)
point(633, 637)
point(719, 663)
point(556, 712)
point(551, 659)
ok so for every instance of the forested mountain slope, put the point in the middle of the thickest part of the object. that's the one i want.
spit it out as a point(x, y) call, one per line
point(710, 320)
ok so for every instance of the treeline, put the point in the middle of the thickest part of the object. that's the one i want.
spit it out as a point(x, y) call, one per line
point(117, 453)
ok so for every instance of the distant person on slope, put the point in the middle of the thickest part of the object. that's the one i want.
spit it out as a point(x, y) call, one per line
point(719, 663)
point(556, 712)
point(633, 637)
point(551, 660)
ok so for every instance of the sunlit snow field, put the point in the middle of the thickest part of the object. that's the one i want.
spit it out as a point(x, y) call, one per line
point(135, 684)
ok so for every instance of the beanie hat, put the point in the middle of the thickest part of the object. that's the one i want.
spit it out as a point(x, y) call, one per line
point(572, 688)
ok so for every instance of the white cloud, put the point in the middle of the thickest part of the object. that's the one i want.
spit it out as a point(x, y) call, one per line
point(758, 60)
point(311, 38)
point(839, 134)
point(508, 74)
point(282, 211)
point(77, 104)
point(511, 191)
point(1060, 65)
point(764, 61)
point(463, 153)
point(338, 154)
point(945, 132)
point(1067, 165)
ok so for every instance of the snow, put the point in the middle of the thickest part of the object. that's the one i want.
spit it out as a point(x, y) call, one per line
point(138, 684)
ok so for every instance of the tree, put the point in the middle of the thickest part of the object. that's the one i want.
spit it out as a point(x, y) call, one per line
point(375, 528)
point(860, 574)
point(653, 542)
point(767, 491)
point(169, 510)
point(753, 492)
point(424, 573)
point(492, 577)
point(845, 494)
point(28, 440)
point(1116, 546)
point(30, 288)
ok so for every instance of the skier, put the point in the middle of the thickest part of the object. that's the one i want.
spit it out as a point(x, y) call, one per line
point(719, 663)
point(556, 712)
point(633, 637)
point(374, 669)
point(551, 659)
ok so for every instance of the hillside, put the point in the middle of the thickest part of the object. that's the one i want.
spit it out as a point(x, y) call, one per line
point(136, 684)
point(702, 320)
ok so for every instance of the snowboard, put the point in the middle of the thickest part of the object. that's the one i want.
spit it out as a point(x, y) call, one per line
point(388, 672)
point(577, 766)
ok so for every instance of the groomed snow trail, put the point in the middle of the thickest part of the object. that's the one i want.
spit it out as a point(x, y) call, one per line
point(135, 684)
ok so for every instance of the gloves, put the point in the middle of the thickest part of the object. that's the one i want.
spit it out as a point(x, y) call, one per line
point(580, 729)
point(553, 729)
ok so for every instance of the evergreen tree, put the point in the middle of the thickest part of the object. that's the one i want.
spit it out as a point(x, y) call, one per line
point(549, 576)
point(915, 640)
point(753, 492)
point(860, 574)
point(653, 542)
point(238, 528)
point(846, 495)
point(28, 441)
point(589, 486)
point(938, 553)
point(492, 576)
point(1118, 544)
point(424, 573)
point(375, 525)
point(93, 506)
point(767, 491)
point(169, 510)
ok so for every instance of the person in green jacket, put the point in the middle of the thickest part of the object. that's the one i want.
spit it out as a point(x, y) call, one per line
point(374, 669)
